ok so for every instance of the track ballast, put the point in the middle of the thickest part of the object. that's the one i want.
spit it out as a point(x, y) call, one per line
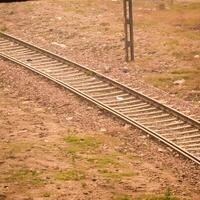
point(173, 128)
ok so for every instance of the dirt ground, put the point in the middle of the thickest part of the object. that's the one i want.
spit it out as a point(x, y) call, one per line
point(57, 146)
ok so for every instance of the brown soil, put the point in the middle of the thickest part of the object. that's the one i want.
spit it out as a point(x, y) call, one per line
point(37, 116)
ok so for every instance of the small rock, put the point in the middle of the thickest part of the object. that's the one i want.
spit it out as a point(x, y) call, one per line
point(105, 147)
point(179, 82)
point(125, 69)
point(103, 130)
point(59, 18)
point(57, 44)
point(69, 118)
point(144, 137)
point(197, 56)
point(170, 149)
point(58, 187)
point(119, 98)
point(126, 127)
point(29, 60)
point(94, 179)
point(161, 150)
point(89, 108)
point(47, 178)
point(176, 155)
point(2, 162)
point(161, 6)
point(107, 69)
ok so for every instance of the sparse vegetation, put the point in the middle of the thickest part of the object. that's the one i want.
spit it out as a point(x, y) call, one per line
point(122, 197)
point(167, 81)
point(166, 196)
point(82, 142)
point(70, 175)
point(77, 145)
point(155, 197)
point(104, 160)
point(3, 28)
point(117, 175)
point(23, 176)
point(181, 43)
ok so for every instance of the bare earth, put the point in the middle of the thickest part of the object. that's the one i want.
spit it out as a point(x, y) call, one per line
point(55, 145)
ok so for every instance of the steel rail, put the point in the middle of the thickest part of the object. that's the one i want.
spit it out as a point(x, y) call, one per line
point(100, 104)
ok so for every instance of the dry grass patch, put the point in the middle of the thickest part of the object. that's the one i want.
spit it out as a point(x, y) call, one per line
point(166, 196)
point(70, 175)
point(22, 176)
point(88, 153)
point(14, 148)
point(167, 81)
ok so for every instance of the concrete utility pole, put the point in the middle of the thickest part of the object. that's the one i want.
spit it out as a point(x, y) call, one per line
point(128, 27)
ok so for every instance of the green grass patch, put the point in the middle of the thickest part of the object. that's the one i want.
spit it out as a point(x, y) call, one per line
point(24, 176)
point(104, 161)
point(84, 142)
point(77, 145)
point(70, 175)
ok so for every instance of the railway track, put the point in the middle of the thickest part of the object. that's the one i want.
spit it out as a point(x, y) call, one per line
point(180, 132)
